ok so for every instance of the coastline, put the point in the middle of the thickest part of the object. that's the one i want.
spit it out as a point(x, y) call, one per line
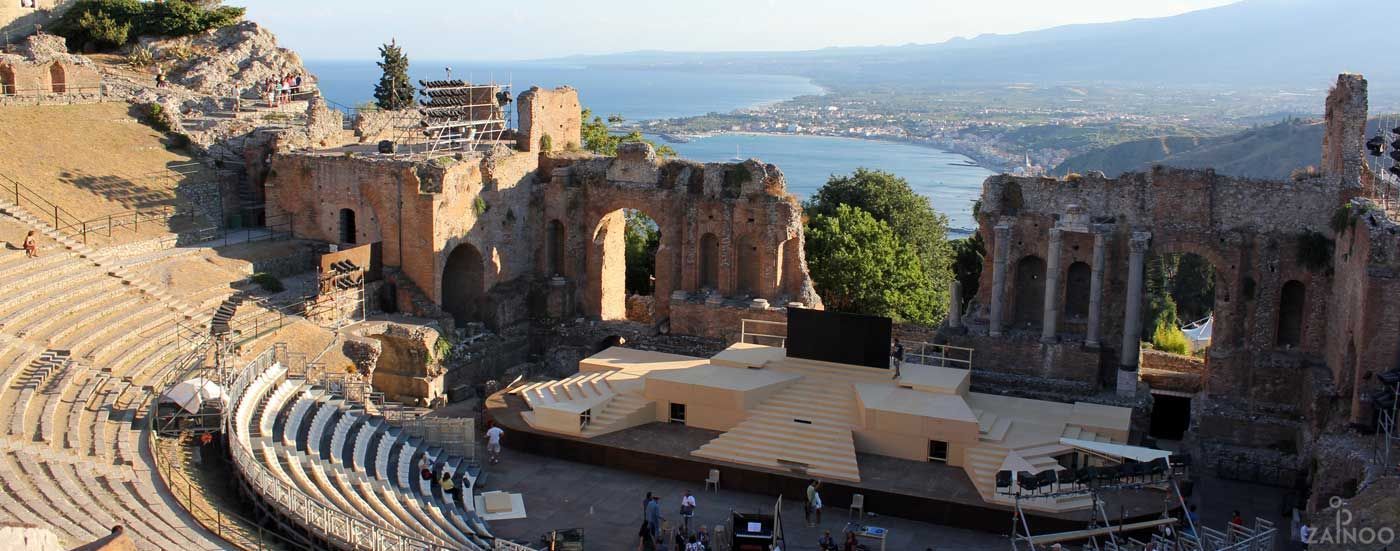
point(974, 161)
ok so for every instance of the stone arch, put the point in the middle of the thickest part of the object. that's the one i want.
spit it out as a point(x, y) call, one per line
point(709, 261)
point(747, 267)
point(790, 261)
point(1028, 304)
point(554, 240)
point(348, 231)
point(58, 80)
point(607, 265)
point(7, 81)
point(1077, 291)
point(1290, 314)
point(463, 283)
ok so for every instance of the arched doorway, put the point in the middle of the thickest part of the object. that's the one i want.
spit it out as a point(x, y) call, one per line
point(1077, 291)
point(1290, 314)
point(347, 226)
point(622, 266)
point(7, 80)
point(1029, 304)
point(1179, 302)
point(554, 249)
point(462, 284)
point(57, 78)
point(747, 267)
point(709, 261)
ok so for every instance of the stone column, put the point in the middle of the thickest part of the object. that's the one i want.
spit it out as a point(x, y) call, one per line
point(955, 305)
point(1002, 242)
point(1095, 292)
point(1048, 321)
point(1132, 320)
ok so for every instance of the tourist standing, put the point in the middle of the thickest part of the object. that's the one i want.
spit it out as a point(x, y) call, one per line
point(493, 444)
point(1236, 519)
point(897, 353)
point(817, 503)
point(31, 245)
point(807, 506)
point(687, 510)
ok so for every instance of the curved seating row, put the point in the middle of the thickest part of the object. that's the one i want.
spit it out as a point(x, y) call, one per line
point(351, 462)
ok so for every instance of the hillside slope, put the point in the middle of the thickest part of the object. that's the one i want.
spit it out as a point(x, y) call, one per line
point(1270, 152)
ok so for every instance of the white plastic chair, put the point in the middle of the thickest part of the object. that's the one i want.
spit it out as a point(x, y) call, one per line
point(713, 479)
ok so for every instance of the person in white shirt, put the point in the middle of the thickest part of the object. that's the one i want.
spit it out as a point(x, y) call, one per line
point(687, 509)
point(493, 444)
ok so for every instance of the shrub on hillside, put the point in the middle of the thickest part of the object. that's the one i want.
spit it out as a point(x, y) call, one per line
point(157, 118)
point(268, 282)
point(97, 25)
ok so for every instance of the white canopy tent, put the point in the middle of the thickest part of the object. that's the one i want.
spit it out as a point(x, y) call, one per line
point(192, 394)
point(1198, 332)
point(1118, 451)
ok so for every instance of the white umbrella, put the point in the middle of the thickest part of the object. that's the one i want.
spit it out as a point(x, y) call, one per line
point(192, 394)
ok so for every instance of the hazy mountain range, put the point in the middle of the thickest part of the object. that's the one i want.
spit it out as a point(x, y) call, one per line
point(1250, 43)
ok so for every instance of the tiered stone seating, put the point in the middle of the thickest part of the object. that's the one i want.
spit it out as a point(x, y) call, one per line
point(76, 347)
point(354, 462)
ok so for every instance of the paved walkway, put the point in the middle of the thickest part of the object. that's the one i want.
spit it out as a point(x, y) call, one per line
point(607, 504)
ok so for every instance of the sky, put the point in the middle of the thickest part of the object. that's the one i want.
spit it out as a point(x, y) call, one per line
point(539, 29)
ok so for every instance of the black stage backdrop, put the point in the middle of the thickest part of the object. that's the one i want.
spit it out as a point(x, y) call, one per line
point(839, 337)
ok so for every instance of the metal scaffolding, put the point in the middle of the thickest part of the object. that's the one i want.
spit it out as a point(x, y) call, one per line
point(459, 115)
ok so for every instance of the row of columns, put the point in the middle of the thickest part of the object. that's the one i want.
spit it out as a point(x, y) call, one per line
point(1132, 323)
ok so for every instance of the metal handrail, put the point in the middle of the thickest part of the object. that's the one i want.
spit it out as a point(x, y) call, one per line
point(179, 485)
point(12, 91)
point(317, 517)
point(68, 223)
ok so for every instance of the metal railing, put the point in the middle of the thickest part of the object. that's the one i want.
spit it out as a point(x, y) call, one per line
point(10, 93)
point(323, 520)
point(938, 355)
point(70, 224)
point(231, 527)
point(763, 332)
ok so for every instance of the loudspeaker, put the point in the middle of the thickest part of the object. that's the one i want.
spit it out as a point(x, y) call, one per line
point(386, 146)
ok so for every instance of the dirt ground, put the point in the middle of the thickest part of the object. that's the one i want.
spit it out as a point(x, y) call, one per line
point(91, 160)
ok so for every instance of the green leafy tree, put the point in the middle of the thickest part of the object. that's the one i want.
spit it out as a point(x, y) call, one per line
point(598, 138)
point(108, 24)
point(860, 264)
point(890, 200)
point(394, 90)
point(968, 254)
point(642, 239)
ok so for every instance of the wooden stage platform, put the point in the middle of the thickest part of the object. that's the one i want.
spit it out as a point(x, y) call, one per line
point(926, 492)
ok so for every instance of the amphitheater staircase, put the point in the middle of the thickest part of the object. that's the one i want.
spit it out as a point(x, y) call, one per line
point(81, 342)
point(804, 428)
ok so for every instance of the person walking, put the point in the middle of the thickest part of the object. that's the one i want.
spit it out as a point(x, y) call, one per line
point(897, 353)
point(31, 245)
point(687, 510)
point(653, 516)
point(493, 443)
point(807, 506)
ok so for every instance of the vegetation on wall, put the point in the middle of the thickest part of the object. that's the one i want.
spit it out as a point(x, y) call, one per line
point(920, 233)
point(1179, 288)
point(394, 90)
point(1315, 251)
point(642, 238)
point(100, 25)
point(598, 138)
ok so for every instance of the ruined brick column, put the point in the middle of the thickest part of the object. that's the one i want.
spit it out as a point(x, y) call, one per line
point(1132, 318)
point(1095, 292)
point(1048, 329)
point(955, 305)
point(1002, 242)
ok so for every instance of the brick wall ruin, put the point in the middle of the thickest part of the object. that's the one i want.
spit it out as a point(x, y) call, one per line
point(508, 234)
point(41, 68)
point(1060, 295)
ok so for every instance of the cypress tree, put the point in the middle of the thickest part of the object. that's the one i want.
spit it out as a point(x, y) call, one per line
point(394, 90)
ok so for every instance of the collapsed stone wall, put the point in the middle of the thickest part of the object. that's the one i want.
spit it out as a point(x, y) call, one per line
point(40, 68)
point(549, 120)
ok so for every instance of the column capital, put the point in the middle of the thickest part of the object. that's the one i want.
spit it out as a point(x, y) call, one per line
point(1055, 233)
point(1138, 244)
point(1002, 229)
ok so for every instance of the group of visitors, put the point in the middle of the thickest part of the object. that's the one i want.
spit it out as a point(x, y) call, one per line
point(449, 486)
point(656, 534)
point(279, 91)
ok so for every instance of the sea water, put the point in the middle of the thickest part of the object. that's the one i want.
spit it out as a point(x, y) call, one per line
point(806, 161)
